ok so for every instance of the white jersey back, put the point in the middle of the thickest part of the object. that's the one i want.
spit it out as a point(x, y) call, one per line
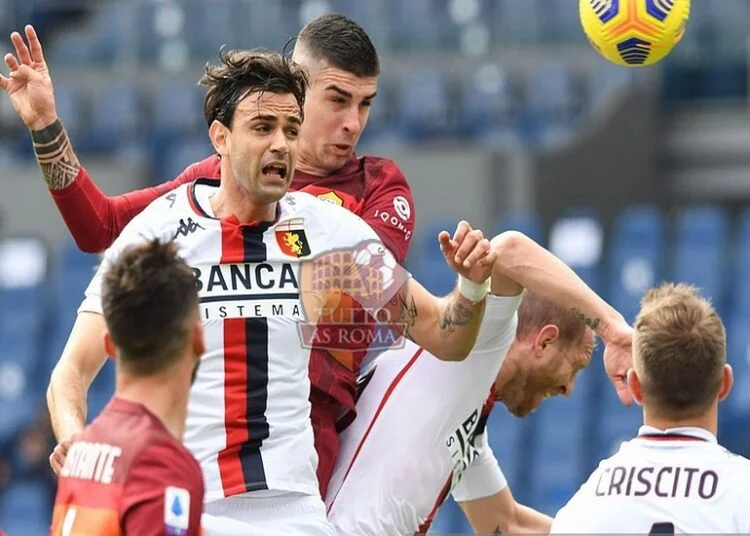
point(249, 412)
point(418, 433)
point(679, 481)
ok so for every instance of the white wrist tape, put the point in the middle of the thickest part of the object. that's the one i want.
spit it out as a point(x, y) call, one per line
point(472, 291)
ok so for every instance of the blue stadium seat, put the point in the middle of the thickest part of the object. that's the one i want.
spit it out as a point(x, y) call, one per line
point(374, 17)
point(209, 25)
point(424, 104)
point(117, 117)
point(70, 109)
point(506, 434)
point(578, 239)
point(449, 520)
point(177, 108)
point(525, 222)
point(180, 153)
point(559, 449)
point(701, 241)
point(427, 263)
point(636, 258)
point(518, 22)
point(101, 391)
point(488, 106)
point(741, 271)
point(266, 24)
point(738, 356)
point(552, 103)
point(25, 507)
point(114, 24)
point(421, 24)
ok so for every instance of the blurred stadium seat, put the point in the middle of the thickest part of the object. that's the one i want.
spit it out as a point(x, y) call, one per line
point(424, 103)
point(637, 256)
point(525, 222)
point(24, 509)
point(701, 242)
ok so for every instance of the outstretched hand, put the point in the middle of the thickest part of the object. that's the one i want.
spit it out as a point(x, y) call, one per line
point(28, 84)
point(618, 359)
point(468, 253)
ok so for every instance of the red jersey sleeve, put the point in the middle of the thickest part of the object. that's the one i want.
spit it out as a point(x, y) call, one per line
point(389, 207)
point(163, 494)
point(95, 220)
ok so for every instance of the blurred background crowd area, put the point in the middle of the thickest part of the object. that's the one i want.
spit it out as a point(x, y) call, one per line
point(497, 111)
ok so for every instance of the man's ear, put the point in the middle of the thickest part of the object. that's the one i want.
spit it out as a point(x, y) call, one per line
point(218, 133)
point(549, 334)
point(109, 345)
point(727, 382)
point(634, 386)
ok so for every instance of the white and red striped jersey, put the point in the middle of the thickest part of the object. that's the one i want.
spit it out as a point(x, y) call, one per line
point(248, 418)
point(419, 434)
point(675, 481)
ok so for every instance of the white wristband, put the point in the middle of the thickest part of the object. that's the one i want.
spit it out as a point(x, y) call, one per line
point(472, 291)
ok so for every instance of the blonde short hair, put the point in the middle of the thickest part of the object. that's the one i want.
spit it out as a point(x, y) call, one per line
point(679, 351)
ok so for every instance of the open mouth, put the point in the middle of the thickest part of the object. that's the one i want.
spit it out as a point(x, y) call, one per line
point(275, 169)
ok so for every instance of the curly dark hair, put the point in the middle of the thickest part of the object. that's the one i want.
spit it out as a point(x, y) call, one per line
point(241, 72)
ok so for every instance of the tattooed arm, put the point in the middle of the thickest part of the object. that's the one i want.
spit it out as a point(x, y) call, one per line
point(520, 259)
point(55, 156)
point(446, 327)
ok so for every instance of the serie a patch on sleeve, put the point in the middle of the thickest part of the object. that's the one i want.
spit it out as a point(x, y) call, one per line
point(176, 511)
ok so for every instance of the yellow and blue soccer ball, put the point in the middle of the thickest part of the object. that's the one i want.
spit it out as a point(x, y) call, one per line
point(634, 33)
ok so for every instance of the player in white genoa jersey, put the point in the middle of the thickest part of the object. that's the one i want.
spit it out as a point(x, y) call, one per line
point(673, 477)
point(435, 412)
point(267, 265)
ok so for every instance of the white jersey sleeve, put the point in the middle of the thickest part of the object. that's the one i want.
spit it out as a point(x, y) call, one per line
point(483, 477)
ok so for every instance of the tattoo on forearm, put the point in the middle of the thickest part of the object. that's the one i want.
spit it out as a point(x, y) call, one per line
point(55, 156)
point(455, 314)
point(593, 323)
point(407, 312)
point(497, 530)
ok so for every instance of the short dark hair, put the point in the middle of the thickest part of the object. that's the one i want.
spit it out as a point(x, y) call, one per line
point(536, 312)
point(150, 302)
point(241, 72)
point(341, 42)
point(679, 351)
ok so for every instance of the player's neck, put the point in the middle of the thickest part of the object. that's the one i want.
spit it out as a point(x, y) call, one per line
point(161, 395)
point(708, 421)
point(231, 200)
point(305, 164)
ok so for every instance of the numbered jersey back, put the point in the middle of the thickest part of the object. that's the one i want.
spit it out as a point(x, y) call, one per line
point(679, 482)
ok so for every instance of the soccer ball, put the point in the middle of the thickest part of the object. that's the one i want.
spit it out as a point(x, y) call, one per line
point(634, 33)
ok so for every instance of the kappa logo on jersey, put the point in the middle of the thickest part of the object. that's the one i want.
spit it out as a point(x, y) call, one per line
point(332, 197)
point(187, 227)
point(176, 511)
point(291, 238)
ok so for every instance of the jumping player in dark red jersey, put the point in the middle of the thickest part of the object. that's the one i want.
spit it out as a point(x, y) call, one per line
point(344, 69)
point(128, 472)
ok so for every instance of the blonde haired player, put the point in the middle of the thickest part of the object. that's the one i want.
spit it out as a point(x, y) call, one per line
point(419, 430)
point(673, 478)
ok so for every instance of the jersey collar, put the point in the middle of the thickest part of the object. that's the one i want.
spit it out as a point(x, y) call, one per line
point(683, 433)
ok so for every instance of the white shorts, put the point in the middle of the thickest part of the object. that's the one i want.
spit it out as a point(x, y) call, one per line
point(297, 515)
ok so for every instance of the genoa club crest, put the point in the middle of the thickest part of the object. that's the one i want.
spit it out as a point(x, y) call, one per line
point(291, 238)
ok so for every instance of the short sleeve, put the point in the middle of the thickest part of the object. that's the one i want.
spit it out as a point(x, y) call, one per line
point(483, 477)
point(163, 493)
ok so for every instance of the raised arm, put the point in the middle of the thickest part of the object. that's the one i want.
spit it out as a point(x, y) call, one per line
point(93, 219)
point(521, 261)
point(447, 327)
